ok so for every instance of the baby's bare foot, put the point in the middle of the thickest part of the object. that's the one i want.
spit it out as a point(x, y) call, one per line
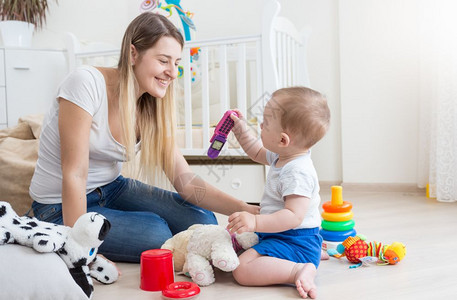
point(324, 255)
point(304, 280)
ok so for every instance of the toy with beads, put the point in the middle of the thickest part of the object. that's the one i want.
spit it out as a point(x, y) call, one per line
point(337, 223)
point(357, 250)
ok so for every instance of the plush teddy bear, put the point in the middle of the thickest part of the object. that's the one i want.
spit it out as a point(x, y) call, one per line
point(178, 246)
point(76, 245)
point(200, 246)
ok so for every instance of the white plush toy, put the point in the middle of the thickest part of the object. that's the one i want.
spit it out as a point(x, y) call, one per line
point(76, 245)
point(195, 249)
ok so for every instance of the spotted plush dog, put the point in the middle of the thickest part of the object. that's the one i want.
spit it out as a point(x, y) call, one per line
point(76, 245)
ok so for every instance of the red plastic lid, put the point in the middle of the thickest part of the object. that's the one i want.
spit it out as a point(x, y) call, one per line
point(156, 254)
point(181, 290)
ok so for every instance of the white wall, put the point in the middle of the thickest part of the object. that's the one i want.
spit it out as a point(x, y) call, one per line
point(101, 20)
point(379, 90)
point(366, 47)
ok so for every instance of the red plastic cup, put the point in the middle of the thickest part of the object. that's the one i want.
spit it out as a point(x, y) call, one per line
point(156, 269)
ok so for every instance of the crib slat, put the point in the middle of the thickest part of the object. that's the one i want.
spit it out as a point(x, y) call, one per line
point(279, 55)
point(223, 79)
point(187, 97)
point(296, 63)
point(258, 62)
point(256, 107)
point(284, 59)
point(292, 60)
point(241, 78)
point(205, 96)
point(252, 85)
point(281, 58)
point(289, 61)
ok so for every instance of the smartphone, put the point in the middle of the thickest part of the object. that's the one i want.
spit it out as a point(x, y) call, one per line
point(220, 134)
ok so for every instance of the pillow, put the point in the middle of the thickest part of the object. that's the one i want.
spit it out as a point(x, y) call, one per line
point(27, 274)
point(18, 156)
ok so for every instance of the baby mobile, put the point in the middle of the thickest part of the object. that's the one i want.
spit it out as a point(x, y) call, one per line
point(166, 7)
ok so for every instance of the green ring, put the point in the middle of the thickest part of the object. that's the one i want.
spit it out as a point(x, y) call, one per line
point(338, 226)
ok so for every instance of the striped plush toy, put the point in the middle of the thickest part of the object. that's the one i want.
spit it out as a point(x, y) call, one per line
point(357, 251)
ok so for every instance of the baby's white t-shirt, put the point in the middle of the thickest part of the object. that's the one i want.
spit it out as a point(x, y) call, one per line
point(297, 177)
point(86, 88)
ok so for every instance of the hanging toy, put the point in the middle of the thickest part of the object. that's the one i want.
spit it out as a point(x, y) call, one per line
point(149, 5)
point(194, 65)
point(359, 252)
point(184, 16)
point(180, 71)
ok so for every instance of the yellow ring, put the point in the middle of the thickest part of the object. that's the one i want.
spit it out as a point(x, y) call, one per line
point(337, 217)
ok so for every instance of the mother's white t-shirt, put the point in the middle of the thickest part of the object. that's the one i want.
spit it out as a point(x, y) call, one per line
point(86, 88)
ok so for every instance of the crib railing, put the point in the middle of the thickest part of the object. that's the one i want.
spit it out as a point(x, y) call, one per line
point(218, 58)
point(263, 63)
point(93, 54)
point(289, 53)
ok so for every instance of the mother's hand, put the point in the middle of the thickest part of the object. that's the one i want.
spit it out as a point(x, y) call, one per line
point(253, 209)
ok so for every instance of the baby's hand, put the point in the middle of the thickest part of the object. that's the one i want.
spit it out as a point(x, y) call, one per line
point(240, 123)
point(240, 222)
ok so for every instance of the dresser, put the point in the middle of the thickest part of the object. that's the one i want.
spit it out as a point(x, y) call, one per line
point(243, 181)
point(29, 79)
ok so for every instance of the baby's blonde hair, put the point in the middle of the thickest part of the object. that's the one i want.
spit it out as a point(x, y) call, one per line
point(305, 115)
point(152, 118)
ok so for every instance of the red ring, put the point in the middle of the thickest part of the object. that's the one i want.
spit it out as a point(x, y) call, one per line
point(181, 290)
point(345, 207)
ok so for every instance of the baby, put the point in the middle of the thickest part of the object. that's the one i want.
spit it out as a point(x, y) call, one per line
point(289, 248)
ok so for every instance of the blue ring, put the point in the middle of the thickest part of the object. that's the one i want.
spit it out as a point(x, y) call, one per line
point(336, 236)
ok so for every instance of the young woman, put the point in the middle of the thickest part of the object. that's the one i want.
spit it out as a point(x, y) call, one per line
point(103, 117)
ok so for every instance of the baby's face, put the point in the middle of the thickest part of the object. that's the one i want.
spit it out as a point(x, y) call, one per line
point(271, 128)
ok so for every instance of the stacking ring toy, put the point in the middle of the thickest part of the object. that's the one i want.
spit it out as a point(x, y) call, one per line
point(337, 217)
point(338, 226)
point(336, 236)
point(181, 290)
point(332, 208)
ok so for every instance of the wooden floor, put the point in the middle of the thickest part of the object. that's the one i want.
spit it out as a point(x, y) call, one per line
point(429, 270)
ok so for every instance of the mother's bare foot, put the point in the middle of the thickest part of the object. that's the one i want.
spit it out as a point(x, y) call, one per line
point(304, 281)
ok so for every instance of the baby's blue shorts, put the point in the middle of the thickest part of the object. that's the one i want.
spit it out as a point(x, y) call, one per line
point(297, 245)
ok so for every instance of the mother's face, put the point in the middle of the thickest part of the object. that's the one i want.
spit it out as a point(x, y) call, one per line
point(157, 67)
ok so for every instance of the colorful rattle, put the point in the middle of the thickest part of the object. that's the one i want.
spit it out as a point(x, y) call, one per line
point(337, 223)
point(220, 134)
point(358, 251)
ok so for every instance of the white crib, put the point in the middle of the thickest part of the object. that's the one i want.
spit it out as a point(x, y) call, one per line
point(230, 72)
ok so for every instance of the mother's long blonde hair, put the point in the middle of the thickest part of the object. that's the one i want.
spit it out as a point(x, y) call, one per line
point(151, 118)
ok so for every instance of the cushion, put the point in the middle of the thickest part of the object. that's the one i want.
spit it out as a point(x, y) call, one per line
point(18, 155)
point(27, 274)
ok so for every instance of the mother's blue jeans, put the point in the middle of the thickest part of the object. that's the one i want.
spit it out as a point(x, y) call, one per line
point(142, 217)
